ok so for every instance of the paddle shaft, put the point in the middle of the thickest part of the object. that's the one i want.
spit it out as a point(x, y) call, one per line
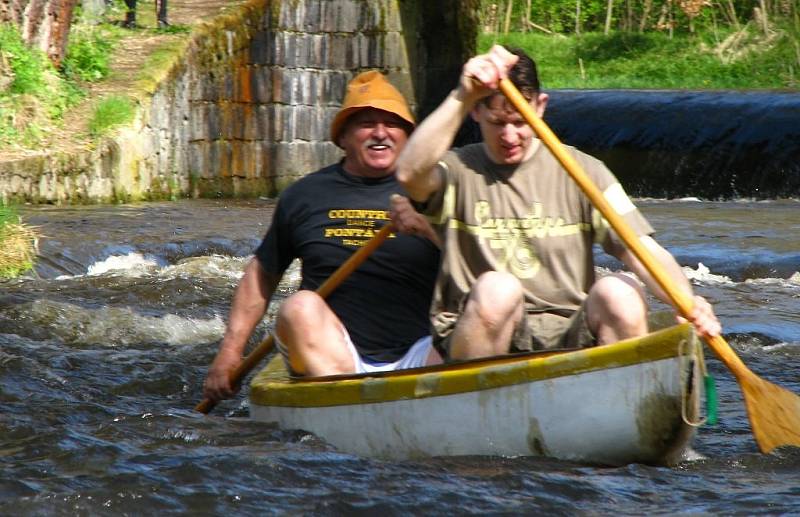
point(327, 287)
point(682, 301)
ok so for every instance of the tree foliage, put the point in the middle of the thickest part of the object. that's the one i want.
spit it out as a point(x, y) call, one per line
point(577, 16)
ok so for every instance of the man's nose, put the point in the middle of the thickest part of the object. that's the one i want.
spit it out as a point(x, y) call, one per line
point(380, 131)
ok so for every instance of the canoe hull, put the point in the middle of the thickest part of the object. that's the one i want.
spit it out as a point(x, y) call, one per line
point(607, 415)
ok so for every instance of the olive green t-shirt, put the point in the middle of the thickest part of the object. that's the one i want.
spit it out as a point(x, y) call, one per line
point(531, 220)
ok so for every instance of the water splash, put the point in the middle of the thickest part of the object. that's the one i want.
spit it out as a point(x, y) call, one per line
point(703, 274)
point(133, 264)
point(118, 326)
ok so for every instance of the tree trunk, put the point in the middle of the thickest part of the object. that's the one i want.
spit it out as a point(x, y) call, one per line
point(733, 17)
point(764, 17)
point(43, 24)
point(629, 16)
point(609, 11)
point(671, 20)
point(578, 17)
point(648, 4)
point(507, 24)
point(796, 16)
point(527, 15)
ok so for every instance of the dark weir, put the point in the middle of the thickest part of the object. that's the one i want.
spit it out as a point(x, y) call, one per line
point(715, 145)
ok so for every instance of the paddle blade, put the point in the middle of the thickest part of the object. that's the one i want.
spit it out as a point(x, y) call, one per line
point(774, 414)
point(205, 406)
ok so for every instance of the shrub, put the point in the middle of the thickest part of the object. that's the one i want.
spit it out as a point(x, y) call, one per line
point(26, 65)
point(87, 55)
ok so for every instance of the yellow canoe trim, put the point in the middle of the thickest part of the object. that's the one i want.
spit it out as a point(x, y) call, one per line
point(273, 386)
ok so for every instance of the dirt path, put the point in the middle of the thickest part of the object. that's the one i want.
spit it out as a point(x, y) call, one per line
point(130, 54)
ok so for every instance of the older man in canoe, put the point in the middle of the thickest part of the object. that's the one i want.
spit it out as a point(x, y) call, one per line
point(517, 233)
point(378, 318)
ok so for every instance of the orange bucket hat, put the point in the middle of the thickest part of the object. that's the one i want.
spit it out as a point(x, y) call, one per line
point(370, 90)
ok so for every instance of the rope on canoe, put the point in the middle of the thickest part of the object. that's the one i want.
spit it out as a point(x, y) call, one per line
point(692, 351)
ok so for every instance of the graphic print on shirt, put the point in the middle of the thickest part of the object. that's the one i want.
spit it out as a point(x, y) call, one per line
point(513, 237)
point(355, 227)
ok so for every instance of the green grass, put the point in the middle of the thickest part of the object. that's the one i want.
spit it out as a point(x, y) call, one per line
point(32, 93)
point(8, 215)
point(35, 95)
point(111, 112)
point(88, 53)
point(174, 29)
point(17, 243)
point(653, 60)
point(159, 63)
point(28, 66)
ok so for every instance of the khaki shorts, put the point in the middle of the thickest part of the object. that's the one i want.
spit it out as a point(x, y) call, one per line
point(537, 331)
point(549, 331)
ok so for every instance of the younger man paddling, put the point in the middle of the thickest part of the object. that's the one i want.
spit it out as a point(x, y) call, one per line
point(377, 319)
point(517, 233)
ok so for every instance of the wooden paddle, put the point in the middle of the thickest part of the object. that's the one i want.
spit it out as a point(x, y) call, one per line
point(774, 412)
point(327, 287)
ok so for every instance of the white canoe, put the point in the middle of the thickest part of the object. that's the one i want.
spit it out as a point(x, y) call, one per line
point(626, 402)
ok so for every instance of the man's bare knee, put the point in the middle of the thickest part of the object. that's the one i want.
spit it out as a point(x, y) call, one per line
point(494, 308)
point(616, 308)
point(301, 308)
point(496, 296)
point(313, 336)
point(300, 318)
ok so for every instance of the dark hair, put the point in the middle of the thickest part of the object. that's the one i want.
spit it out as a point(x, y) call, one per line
point(523, 74)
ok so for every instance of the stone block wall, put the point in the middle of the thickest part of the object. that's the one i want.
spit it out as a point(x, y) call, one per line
point(262, 119)
point(245, 108)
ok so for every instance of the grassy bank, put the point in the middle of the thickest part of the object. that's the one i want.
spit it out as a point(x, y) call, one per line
point(35, 95)
point(32, 93)
point(748, 58)
point(18, 243)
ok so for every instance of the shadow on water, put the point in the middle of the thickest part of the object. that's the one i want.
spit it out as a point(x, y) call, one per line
point(714, 145)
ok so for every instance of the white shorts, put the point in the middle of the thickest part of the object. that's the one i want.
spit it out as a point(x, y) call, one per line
point(416, 356)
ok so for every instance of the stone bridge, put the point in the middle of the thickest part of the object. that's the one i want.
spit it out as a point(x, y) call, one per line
point(246, 109)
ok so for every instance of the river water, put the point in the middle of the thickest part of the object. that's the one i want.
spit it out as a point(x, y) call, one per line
point(103, 353)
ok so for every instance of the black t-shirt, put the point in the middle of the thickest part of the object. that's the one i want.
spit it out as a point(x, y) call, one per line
point(323, 218)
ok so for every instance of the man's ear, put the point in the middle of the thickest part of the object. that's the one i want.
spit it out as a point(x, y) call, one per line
point(541, 103)
point(475, 112)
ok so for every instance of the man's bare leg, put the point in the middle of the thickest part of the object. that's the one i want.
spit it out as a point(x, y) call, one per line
point(616, 309)
point(313, 335)
point(492, 312)
point(433, 358)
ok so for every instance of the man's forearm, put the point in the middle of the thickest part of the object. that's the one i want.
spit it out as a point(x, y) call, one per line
point(250, 302)
point(668, 262)
point(429, 142)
